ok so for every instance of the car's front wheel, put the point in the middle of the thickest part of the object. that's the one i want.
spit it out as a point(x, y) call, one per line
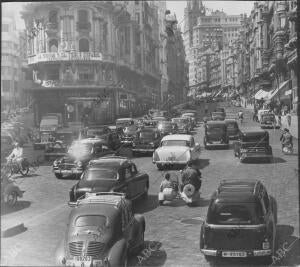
point(58, 175)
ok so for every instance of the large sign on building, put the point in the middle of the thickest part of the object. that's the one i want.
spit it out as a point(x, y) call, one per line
point(65, 56)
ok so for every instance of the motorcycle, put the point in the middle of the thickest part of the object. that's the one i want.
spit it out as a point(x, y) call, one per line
point(169, 193)
point(12, 167)
point(9, 191)
point(287, 149)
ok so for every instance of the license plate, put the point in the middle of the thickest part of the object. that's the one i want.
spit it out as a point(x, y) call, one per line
point(82, 258)
point(236, 254)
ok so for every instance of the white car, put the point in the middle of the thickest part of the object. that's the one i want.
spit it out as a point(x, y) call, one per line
point(176, 149)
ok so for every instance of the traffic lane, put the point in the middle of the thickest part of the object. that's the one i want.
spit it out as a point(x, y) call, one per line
point(179, 221)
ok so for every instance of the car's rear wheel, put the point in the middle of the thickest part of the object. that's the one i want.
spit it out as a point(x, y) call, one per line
point(58, 175)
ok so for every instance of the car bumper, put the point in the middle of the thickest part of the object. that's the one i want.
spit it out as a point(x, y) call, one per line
point(247, 253)
point(165, 162)
point(68, 172)
point(255, 155)
point(143, 150)
point(216, 143)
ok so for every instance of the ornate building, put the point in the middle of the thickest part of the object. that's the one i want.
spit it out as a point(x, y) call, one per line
point(92, 58)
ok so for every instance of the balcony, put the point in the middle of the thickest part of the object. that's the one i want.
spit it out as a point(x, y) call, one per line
point(83, 26)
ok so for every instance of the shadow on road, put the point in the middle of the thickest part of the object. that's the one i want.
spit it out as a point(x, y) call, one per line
point(203, 163)
point(141, 206)
point(20, 205)
point(151, 255)
point(277, 160)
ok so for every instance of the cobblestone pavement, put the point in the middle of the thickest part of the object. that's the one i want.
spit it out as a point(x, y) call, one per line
point(173, 229)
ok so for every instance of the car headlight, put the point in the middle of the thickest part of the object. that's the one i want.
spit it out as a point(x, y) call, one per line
point(79, 164)
point(55, 163)
point(243, 150)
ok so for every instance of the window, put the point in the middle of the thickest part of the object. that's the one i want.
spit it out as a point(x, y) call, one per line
point(53, 73)
point(84, 45)
point(6, 85)
point(85, 73)
point(82, 16)
point(53, 45)
point(53, 17)
point(5, 28)
point(127, 172)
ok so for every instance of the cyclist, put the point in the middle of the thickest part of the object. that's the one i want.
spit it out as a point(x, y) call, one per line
point(17, 155)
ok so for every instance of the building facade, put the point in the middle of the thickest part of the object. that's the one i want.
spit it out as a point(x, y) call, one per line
point(10, 62)
point(92, 59)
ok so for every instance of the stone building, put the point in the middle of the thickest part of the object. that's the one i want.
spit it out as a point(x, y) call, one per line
point(92, 58)
point(10, 62)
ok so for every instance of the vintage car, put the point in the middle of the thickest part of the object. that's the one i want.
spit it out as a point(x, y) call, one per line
point(78, 156)
point(241, 221)
point(166, 127)
point(260, 112)
point(253, 144)
point(103, 132)
point(147, 140)
point(176, 149)
point(218, 116)
point(129, 134)
point(191, 117)
point(123, 122)
point(102, 230)
point(150, 123)
point(183, 125)
point(267, 120)
point(59, 147)
point(232, 129)
point(216, 134)
point(43, 139)
point(111, 174)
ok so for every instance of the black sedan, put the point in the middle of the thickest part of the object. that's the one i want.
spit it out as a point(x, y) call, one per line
point(112, 174)
point(147, 141)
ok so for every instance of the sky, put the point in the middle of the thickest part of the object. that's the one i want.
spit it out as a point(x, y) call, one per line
point(177, 7)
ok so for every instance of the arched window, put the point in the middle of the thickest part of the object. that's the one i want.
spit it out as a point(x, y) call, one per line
point(53, 16)
point(84, 45)
point(82, 16)
point(53, 45)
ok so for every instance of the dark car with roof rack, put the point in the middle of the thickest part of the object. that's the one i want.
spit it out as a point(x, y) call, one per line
point(111, 174)
point(253, 144)
point(102, 230)
point(241, 222)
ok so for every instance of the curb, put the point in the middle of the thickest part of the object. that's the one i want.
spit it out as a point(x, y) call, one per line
point(12, 231)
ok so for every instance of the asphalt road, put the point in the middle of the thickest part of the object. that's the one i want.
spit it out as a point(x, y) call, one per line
point(173, 229)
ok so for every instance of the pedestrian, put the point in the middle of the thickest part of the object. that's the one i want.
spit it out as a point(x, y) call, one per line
point(279, 121)
point(289, 118)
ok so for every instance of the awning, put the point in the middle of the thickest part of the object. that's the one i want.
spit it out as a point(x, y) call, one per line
point(277, 90)
point(261, 94)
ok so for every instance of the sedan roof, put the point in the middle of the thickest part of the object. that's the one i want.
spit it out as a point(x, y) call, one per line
point(185, 137)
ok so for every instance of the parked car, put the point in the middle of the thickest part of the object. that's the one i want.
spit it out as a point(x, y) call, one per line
point(268, 120)
point(232, 128)
point(129, 134)
point(102, 230)
point(103, 132)
point(166, 127)
point(183, 125)
point(176, 149)
point(215, 134)
point(253, 144)
point(111, 174)
point(218, 116)
point(79, 154)
point(240, 222)
point(147, 140)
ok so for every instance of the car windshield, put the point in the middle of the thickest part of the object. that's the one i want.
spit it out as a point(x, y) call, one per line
point(235, 213)
point(147, 135)
point(100, 174)
point(188, 115)
point(91, 220)
point(80, 149)
point(131, 128)
point(122, 123)
point(232, 125)
point(218, 114)
point(46, 122)
point(215, 128)
point(268, 117)
point(180, 121)
point(175, 143)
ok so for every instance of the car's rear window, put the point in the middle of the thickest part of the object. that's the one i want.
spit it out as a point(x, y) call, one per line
point(100, 174)
point(235, 213)
point(215, 128)
point(90, 220)
point(232, 125)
